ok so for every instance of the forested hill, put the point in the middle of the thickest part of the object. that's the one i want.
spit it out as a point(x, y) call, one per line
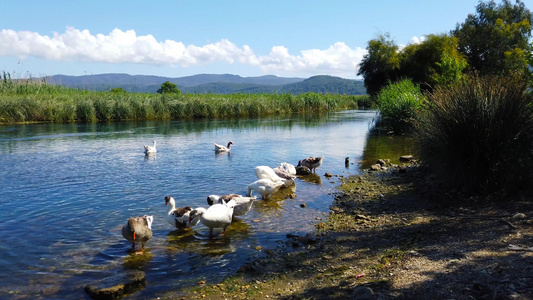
point(213, 83)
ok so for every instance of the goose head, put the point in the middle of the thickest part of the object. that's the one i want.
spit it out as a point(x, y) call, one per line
point(196, 214)
point(171, 202)
point(149, 221)
point(231, 204)
point(212, 199)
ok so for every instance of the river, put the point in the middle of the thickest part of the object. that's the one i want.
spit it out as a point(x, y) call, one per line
point(67, 190)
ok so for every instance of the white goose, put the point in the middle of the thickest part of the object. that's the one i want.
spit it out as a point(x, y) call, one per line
point(265, 187)
point(149, 150)
point(289, 168)
point(215, 216)
point(266, 172)
point(179, 217)
point(221, 148)
point(242, 204)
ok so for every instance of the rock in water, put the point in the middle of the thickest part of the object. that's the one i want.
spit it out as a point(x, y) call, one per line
point(301, 170)
point(115, 287)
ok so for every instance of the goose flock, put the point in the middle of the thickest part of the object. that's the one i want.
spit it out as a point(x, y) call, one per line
point(222, 209)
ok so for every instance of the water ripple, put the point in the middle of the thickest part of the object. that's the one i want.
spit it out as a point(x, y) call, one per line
point(67, 190)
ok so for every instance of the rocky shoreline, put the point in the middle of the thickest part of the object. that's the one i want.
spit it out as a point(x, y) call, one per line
point(392, 233)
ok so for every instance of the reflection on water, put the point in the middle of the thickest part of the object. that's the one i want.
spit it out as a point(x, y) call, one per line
point(138, 261)
point(387, 147)
point(312, 178)
point(67, 189)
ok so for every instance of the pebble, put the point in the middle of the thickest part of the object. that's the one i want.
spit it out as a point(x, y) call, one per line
point(519, 216)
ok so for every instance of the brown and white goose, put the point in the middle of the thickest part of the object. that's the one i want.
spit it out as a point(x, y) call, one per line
point(311, 162)
point(221, 148)
point(242, 204)
point(138, 230)
point(179, 217)
point(285, 171)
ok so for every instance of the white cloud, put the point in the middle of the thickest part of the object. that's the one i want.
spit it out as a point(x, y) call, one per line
point(337, 59)
point(126, 47)
point(417, 40)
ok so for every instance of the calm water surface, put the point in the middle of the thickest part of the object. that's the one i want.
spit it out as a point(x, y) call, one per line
point(67, 190)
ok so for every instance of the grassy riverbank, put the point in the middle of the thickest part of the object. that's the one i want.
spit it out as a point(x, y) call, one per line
point(395, 235)
point(30, 101)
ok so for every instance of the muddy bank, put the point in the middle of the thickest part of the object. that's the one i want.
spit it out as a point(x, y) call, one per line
point(394, 234)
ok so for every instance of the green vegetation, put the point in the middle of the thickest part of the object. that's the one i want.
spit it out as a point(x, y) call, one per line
point(168, 88)
point(31, 101)
point(398, 105)
point(494, 41)
point(475, 130)
point(478, 134)
point(380, 65)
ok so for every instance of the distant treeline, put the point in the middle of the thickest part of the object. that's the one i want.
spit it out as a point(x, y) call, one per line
point(213, 84)
point(31, 101)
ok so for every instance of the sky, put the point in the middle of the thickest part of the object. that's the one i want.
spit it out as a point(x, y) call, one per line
point(182, 38)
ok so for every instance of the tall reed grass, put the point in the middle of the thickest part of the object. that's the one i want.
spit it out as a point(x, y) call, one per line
point(477, 135)
point(31, 101)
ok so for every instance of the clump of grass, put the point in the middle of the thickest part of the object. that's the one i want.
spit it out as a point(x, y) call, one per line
point(398, 105)
point(478, 134)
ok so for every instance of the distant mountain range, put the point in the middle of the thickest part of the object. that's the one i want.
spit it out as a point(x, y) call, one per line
point(213, 83)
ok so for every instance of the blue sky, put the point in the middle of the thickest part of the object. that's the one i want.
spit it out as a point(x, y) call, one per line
point(180, 38)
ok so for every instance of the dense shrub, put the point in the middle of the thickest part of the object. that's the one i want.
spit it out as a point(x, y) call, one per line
point(478, 134)
point(398, 104)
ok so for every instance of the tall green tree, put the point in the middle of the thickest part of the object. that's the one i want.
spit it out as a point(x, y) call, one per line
point(380, 65)
point(434, 61)
point(495, 39)
point(168, 87)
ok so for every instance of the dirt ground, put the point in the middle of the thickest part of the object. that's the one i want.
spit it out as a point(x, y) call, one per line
point(394, 234)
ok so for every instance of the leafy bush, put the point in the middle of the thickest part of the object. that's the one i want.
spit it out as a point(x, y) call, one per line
point(398, 104)
point(478, 134)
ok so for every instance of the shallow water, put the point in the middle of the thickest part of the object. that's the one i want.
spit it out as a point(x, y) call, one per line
point(67, 190)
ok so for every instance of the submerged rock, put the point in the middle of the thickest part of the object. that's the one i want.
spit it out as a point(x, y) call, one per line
point(407, 158)
point(301, 170)
point(115, 287)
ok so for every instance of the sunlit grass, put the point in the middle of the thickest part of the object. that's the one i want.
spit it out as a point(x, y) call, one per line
point(36, 101)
